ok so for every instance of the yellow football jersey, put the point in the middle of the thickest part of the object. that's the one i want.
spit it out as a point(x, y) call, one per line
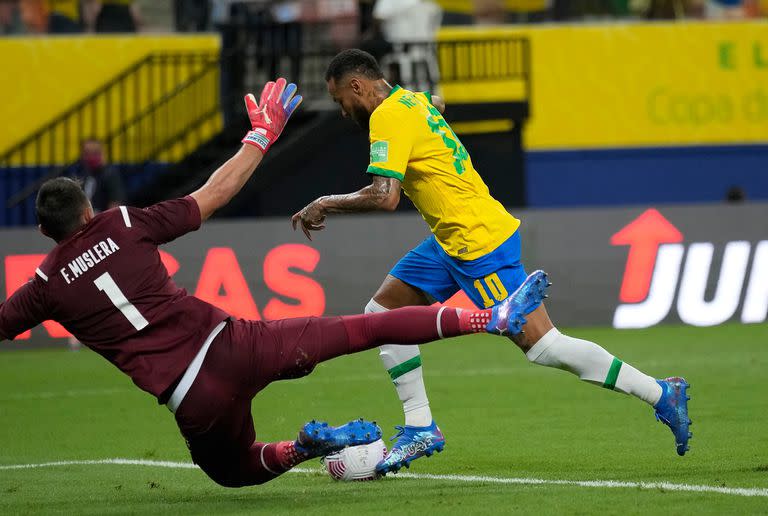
point(411, 141)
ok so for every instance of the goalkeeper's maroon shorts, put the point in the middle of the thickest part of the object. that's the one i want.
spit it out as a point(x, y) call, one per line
point(215, 416)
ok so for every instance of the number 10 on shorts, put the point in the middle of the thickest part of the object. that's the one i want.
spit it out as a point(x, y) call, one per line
point(495, 287)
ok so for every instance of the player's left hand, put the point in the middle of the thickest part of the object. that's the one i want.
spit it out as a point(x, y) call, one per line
point(311, 218)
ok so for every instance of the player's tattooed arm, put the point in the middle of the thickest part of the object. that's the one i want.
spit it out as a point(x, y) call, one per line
point(383, 194)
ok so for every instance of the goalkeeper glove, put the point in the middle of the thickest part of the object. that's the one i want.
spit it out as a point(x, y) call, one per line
point(269, 116)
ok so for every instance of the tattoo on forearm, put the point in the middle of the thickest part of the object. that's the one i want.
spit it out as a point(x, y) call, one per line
point(369, 198)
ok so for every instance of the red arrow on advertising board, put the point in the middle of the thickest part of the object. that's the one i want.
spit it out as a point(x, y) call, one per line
point(643, 235)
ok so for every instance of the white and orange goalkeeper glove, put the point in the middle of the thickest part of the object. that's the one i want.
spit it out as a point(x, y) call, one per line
point(269, 116)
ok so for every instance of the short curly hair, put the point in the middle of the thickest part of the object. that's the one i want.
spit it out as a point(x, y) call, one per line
point(353, 60)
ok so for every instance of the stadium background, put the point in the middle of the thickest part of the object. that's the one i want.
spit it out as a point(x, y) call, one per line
point(579, 116)
point(636, 154)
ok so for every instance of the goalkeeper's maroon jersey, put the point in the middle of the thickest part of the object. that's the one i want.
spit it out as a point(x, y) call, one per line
point(107, 285)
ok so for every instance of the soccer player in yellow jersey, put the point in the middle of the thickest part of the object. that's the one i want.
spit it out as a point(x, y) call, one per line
point(475, 246)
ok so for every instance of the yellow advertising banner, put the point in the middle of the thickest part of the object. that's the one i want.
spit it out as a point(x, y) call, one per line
point(624, 85)
point(45, 77)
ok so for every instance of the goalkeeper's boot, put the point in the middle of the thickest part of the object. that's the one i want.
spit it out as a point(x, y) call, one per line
point(413, 442)
point(672, 410)
point(508, 317)
point(317, 439)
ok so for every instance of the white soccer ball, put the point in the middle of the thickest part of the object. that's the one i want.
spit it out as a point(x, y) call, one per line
point(356, 463)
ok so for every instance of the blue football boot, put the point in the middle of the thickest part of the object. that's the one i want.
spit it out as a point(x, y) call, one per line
point(317, 439)
point(672, 410)
point(508, 317)
point(412, 443)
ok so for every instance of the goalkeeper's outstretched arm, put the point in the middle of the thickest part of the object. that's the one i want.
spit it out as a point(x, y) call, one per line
point(268, 118)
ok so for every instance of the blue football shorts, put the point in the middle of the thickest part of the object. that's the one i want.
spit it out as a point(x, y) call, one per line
point(486, 280)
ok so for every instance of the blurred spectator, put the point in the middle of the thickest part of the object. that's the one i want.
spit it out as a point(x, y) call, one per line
point(372, 38)
point(735, 195)
point(10, 19)
point(489, 12)
point(274, 27)
point(287, 35)
point(569, 9)
point(113, 15)
point(670, 9)
point(756, 8)
point(68, 8)
point(38, 18)
point(102, 183)
point(410, 27)
point(365, 8)
point(192, 15)
point(221, 11)
point(725, 9)
point(338, 21)
point(408, 20)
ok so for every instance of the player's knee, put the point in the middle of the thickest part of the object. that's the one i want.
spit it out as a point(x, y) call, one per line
point(223, 467)
point(373, 307)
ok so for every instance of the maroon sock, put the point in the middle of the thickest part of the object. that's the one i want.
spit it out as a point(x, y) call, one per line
point(411, 325)
point(276, 458)
point(474, 321)
point(262, 463)
point(287, 455)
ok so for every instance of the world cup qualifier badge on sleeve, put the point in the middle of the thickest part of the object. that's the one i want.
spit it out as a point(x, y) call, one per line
point(380, 152)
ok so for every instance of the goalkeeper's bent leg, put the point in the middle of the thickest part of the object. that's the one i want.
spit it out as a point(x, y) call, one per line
point(215, 414)
point(261, 463)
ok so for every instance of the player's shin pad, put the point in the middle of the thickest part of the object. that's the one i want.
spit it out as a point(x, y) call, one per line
point(407, 377)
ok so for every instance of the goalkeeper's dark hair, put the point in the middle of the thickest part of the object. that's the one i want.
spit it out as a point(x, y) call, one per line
point(59, 205)
point(356, 61)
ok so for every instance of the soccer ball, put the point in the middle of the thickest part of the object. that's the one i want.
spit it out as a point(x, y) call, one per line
point(356, 463)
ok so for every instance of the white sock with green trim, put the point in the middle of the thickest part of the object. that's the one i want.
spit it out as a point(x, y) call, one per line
point(403, 363)
point(593, 364)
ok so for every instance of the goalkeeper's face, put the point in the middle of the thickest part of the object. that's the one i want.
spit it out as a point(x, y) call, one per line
point(352, 95)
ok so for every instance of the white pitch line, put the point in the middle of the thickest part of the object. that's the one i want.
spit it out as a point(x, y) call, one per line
point(666, 486)
point(120, 462)
point(471, 479)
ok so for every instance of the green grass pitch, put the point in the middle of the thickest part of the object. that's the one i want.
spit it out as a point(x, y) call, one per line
point(502, 417)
